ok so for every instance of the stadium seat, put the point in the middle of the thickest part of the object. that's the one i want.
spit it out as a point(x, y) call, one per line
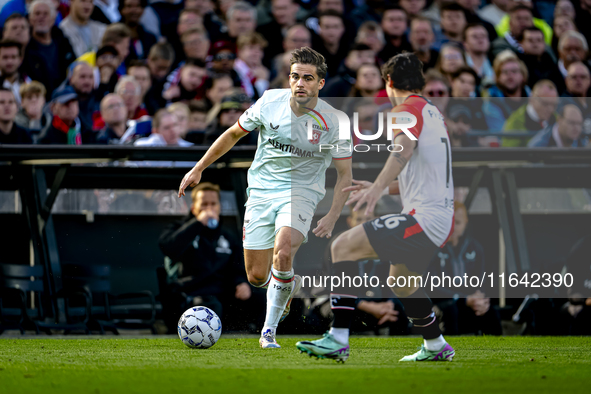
point(22, 280)
point(109, 311)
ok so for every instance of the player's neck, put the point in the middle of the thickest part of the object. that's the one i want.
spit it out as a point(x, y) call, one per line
point(401, 95)
point(302, 109)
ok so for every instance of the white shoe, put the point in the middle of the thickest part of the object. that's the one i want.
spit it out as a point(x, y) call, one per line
point(267, 340)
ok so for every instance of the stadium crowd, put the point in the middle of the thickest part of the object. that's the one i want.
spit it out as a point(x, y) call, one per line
point(84, 72)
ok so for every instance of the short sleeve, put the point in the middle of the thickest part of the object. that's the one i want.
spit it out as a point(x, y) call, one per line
point(417, 128)
point(251, 118)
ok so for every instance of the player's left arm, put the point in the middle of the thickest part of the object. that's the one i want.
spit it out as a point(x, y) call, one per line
point(344, 176)
point(393, 167)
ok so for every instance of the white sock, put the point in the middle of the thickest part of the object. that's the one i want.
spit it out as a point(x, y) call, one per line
point(340, 334)
point(266, 285)
point(278, 294)
point(435, 344)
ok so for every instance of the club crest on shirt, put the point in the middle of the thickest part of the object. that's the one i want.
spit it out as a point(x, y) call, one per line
point(315, 137)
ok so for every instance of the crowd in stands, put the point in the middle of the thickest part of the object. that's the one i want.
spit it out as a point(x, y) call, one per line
point(98, 71)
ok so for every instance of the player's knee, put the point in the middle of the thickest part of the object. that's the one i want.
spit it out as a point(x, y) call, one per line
point(257, 279)
point(339, 249)
point(282, 259)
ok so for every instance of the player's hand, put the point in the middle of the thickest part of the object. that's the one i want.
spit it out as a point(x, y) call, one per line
point(243, 291)
point(369, 197)
point(358, 185)
point(191, 178)
point(325, 226)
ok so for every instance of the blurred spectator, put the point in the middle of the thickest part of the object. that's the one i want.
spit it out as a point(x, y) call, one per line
point(216, 88)
point(49, 52)
point(241, 18)
point(453, 21)
point(463, 313)
point(562, 24)
point(32, 115)
point(296, 37)
point(10, 132)
point(510, 91)
point(520, 18)
point(141, 72)
point(114, 116)
point(572, 47)
point(458, 121)
point(578, 82)
point(66, 128)
point(16, 29)
point(226, 115)
point(159, 62)
point(472, 17)
point(281, 81)
point(88, 98)
point(196, 44)
point(368, 11)
point(338, 6)
point(223, 58)
point(181, 110)
point(167, 15)
point(451, 58)
point(197, 122)
point(83, 33)
point(340, 85)
point(566, 132)
point(117, 36)
point(371, 34)
point(212, 266)
point(394, 25)
point(539, 63)
point(412, 7)
point(367, 111)
point(463, 83)
point(131, 92)
point(211, 21)
point(437, 89)
point(11, 58)
point(330, 42)
point(368, 81)
point(476, 42)
point(284, 16)
point(565, 8)
point(421, 39)
point(189, 19)
point(141, 39)
point(188, 84)
point(494, 12)
point(253, 75)
point(536, 115)
point(166, 131)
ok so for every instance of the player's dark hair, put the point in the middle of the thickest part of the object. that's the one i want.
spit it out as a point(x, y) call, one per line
point(307, 55)
point(405, 71)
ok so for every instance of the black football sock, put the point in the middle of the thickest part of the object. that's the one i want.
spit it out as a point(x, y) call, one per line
point(419, 309)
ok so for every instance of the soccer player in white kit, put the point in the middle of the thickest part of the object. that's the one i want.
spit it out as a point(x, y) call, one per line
point(285, 181)
point(409, 239)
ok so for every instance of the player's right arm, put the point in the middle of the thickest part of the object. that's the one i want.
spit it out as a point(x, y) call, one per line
point(223, 144)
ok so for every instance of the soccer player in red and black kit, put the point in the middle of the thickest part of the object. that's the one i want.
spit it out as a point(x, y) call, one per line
point(409, 239)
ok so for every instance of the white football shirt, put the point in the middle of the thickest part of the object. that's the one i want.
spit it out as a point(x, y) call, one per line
point(426, 182)
point(286, 161)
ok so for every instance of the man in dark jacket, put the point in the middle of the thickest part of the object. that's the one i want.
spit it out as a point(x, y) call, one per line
point(10, 132)
point(49, 52)
point(212, 272)
point(66, 127)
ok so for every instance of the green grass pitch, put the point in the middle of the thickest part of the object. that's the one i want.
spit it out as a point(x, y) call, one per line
point(235, 364)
